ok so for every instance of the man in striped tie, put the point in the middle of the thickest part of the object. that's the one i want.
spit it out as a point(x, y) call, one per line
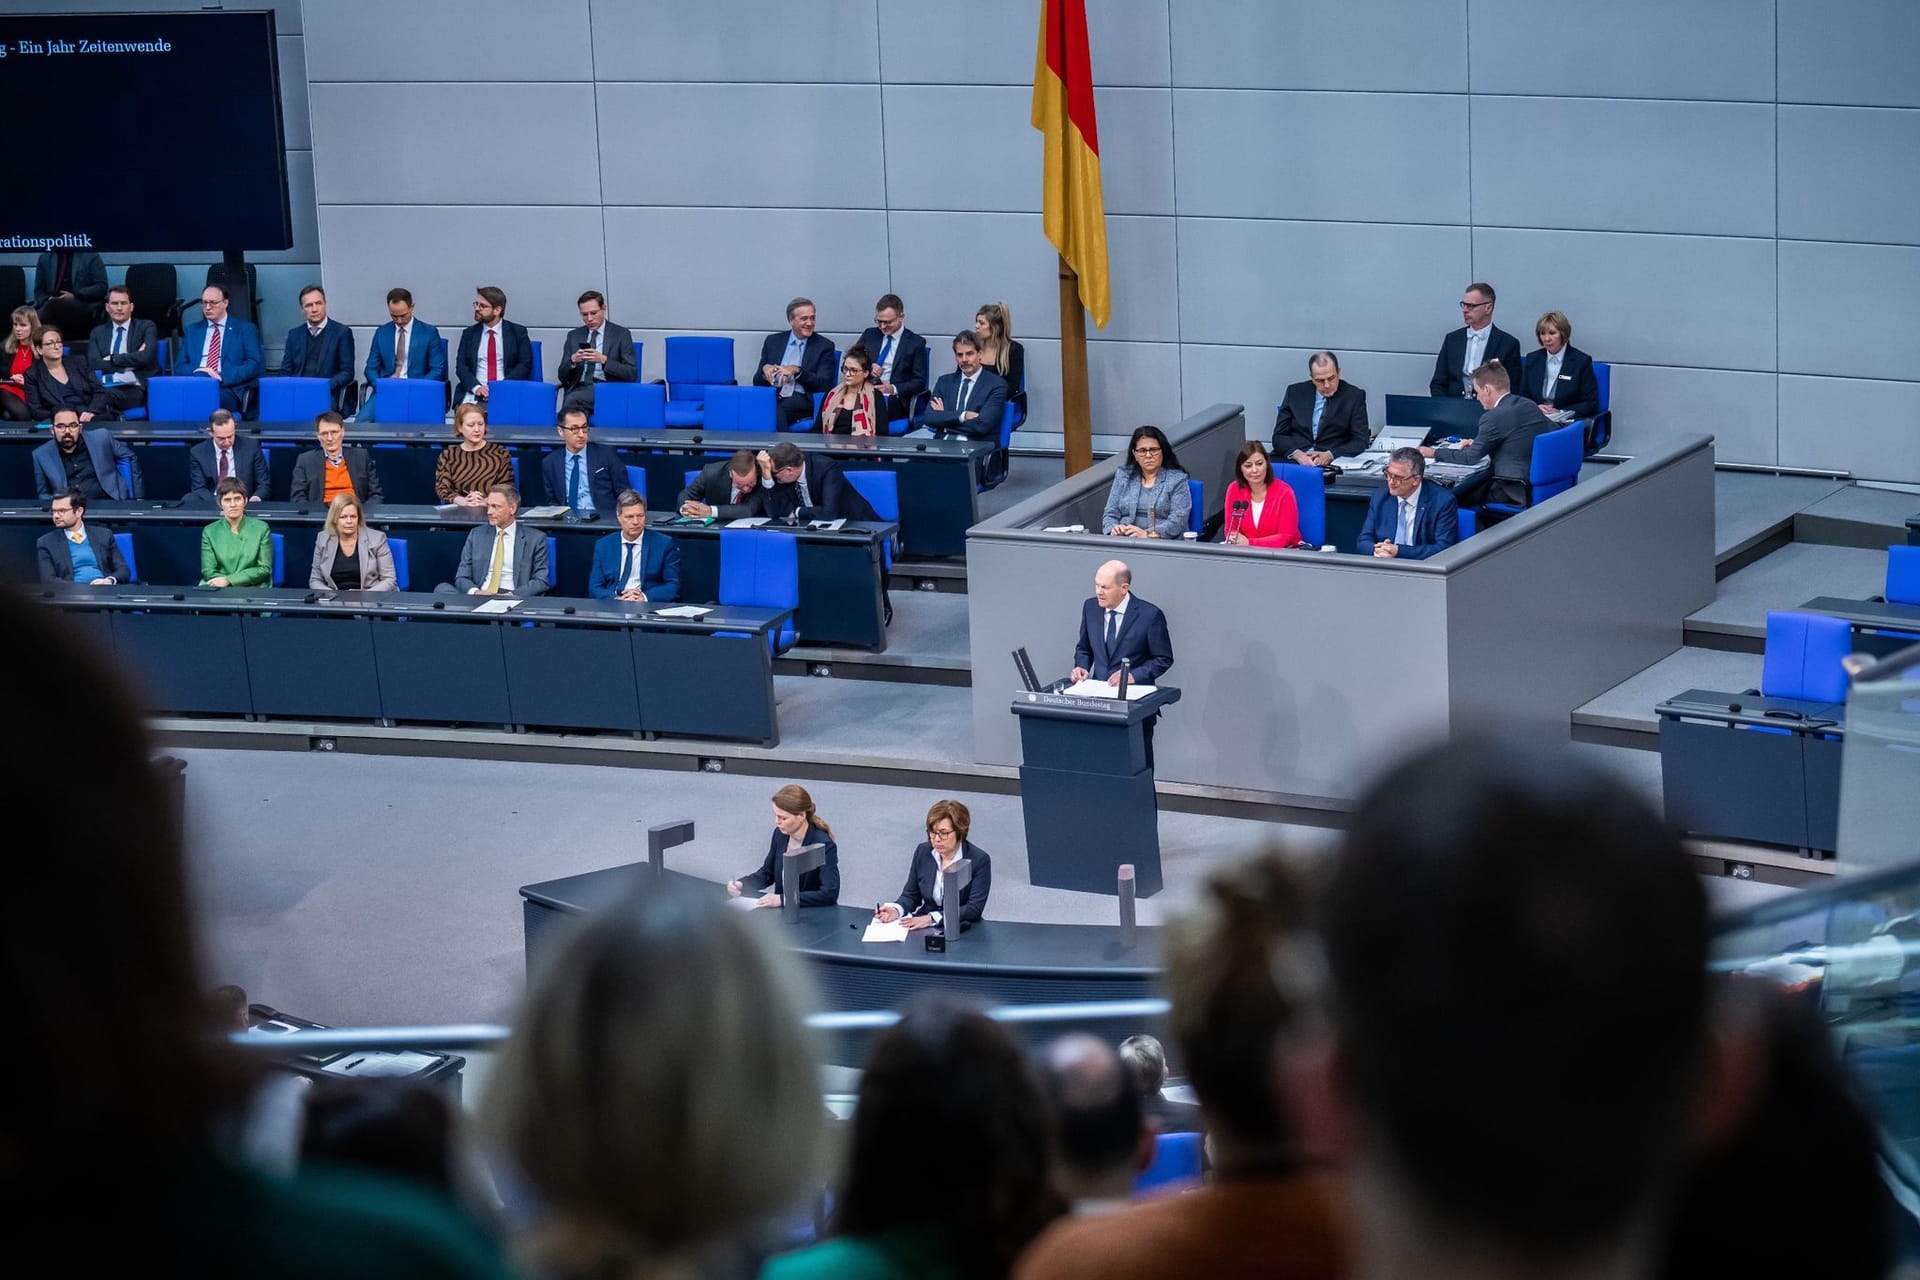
point(224, 348)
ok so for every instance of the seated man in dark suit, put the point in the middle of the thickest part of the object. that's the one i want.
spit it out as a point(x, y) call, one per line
point(321, 348)
point(224, 348)
point(87, 459)
point(633, 564)
point(491, 348)
point(73, 552)
point(1117, 626)
point(225, 453)
point(1469, 347)
point(797, 484)
point(503, 557)
point(900, 362)
point(971, 401)
point(1323, 418)
point(323, 474)
point(585, 475)
point(68, 287)
point(799, 363)
point(124, 351)
point(1409, 519)
point(598, 351)
point(726, 489)
point(403, 348)
point(1559, 376)
point(921, 903)
point(1146, 1061)
point(1505, 434)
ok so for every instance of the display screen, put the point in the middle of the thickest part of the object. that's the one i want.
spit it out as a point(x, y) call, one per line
point(152, 133)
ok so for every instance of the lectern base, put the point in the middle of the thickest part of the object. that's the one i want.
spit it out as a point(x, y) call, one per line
point(1082, 826)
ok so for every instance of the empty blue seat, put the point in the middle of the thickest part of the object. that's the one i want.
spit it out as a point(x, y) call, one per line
point(539, 370)
point(760, 568)
point(740, 409)
point(188, 399)
point(125, 468)
point(630, 404)
point(881, 489)
point(1176, 1163)
point(637, 479)
point(294, 399)
point(1903, 575)
point(279, 560)
point(695, 362)
point(410, 401)
point(1803, 656)
point(1309, 485)
point(1598, 430)
point(402, 576)
point(520, 404)
point(1196, 505)
point(124, 541)
point(1554, 470)
point(1469, 523)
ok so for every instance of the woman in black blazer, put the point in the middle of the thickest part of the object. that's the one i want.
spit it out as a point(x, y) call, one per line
point(795, 825)
point(946, 843)
point(1574, 388)
point(80, 391)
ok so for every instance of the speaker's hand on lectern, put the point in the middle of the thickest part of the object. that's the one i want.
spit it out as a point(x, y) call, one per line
point(1079, 674)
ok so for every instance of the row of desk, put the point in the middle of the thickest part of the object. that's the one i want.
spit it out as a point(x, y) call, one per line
point(842, 600)
point(407, 656)
point(939, 480)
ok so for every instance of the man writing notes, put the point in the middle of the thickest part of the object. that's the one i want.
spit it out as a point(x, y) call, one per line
point(1323, 418)
point(1469, 347)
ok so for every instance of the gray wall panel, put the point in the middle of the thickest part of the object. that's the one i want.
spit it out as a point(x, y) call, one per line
point(471, 43)
point(1297, 44)
point(1687, 300)
point(1696, 168)
point(1307, 284)
point(1869, 428)
point(1653, 405)
point(745, 145)
point(1867, 52)
point(1849, 173)
point(1872, 336)
point(993, 42)
point(938, 137)
point(293, 93)
point(737, 41)
point(1639, 49)
point(1359, 157)
point(369, 138)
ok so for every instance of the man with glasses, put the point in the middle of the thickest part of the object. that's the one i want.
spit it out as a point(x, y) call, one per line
point(75, 553)
point(970, 401)
point(124, 351)
point(598, 351)
point(921, 903)
point(1323, 418)
point(900, 363)
point(492, 348)
point(323, 474)
point(224, 348)
point(1409, 519)
point(584, 475)
point(1471, 346)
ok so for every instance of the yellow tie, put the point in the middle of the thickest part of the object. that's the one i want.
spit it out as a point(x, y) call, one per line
point(499, 558)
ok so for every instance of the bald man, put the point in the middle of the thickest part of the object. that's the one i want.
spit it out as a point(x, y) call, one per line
point(1117, 625)
point(1103, 1138)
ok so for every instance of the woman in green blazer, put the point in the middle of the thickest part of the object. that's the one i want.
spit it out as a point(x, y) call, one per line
point(236, 550)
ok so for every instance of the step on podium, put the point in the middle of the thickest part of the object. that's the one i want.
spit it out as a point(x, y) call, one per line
point(1086, 789)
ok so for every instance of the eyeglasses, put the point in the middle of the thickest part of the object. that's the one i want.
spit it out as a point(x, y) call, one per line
point(1473, 306)
point(573, 430)
point(948, 834)
point(1400, 477)
point(1146, 450)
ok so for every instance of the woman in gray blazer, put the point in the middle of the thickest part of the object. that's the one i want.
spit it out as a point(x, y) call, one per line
point(1149, 497)
point(349, 555)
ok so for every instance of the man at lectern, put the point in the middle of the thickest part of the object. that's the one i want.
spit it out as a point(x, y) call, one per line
point(1117, 626)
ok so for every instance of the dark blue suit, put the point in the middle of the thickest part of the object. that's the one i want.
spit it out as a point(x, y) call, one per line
point(515, 355)
point(241, 359)
point(1577, 390)
point(1142, 640)
point(659, 568)
point(426, 359)
point(818, 888)
point(1436, 523)
point(988, 398)
point(916, 899)
point(605, 476)
point(332, 356)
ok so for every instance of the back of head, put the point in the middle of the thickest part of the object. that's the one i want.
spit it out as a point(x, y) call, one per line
point(979, 1183)
point(1096, 1108)
point(660, 1089)
point(1146, 1061)
point(1517, 949)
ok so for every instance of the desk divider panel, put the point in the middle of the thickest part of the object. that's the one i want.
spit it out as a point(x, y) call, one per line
point(184, 663)
point(306, 666)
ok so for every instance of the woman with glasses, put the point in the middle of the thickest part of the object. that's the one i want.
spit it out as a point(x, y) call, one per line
point(51, 383)
point(855, 406)
point(921, 903)
point(1149, 497)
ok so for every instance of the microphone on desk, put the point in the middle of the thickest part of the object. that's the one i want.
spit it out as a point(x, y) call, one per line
point(568, 609)
point(179, 596)
point(1239, 517)
point(439, 604)
point(312, 597)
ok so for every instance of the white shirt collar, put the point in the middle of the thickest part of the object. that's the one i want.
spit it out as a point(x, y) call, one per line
point(1121, 608)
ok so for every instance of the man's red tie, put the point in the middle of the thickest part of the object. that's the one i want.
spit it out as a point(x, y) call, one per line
point(213, 349)
point(493, 358)
point(223, 464)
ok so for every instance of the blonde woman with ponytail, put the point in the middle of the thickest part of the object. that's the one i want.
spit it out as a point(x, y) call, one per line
point(795, 826)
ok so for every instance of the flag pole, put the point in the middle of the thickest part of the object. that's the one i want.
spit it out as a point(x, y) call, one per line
point(1076, 411)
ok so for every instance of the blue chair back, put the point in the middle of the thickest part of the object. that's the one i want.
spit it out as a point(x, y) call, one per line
point(1469, 523)
point(188, 399)
point(410, 401)
point(513, 465)
point(124, 541)
point(761, 569)
point(637, 478)
point(521, 404)
point(740, 408)
point(1603, 375)
point(553, 565)
point(1556, 463)
point(279, 559)
point(1176, 1162)
point(1309, 485)
point(697, 361)
point(630, 404)
point(693, 475)
point(881, 489)
point(402, 575)
point(1803, 656)
point(124, 469)
point(1903, 575)
point(539, 370)
point(293, 399)
point(1196, 505)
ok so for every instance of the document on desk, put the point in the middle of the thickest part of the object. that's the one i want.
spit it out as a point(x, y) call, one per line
point(880, 931)
point(827, 526)
point(545, 513)
point(499, 604)
point(745, 902)
point(1091, 688)
point(747, 522)
point(1065, 528)
point(406, 1062)
point(682, 611)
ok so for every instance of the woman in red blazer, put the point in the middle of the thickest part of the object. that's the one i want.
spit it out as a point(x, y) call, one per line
point(1260, 510)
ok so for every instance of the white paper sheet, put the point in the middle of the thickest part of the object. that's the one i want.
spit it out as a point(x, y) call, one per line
point(499, 604)
point(877, 931)
point(1091, 688)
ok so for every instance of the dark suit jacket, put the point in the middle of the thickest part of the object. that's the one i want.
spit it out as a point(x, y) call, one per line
point(249, 467)
point(81, 392)
point(141, 350)
point(309, 483)
point(615, 341)
point(425, 356)
point(834, 497)
point(911, 369)
point(1577, 388)
point(335, 361)
point(516, 357)
point(241, 356)
point(988, 399)
point(1448, 380)
point(1168, 1116)
point(1436, 522)
point(1343, 423)
point(659, 568)
point(1143, 641)
point(605, 476)
point(1506, 435)
point(817, 373)
point(916, 899)
point(50, 473)
point(818, 888)
point(532, 574)
point(56, 559)
point(714, 487)
point(89, 283)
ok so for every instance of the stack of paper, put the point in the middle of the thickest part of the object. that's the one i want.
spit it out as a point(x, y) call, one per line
point(881, 932)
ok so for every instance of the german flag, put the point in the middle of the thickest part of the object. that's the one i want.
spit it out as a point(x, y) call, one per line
point(1075, 214)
